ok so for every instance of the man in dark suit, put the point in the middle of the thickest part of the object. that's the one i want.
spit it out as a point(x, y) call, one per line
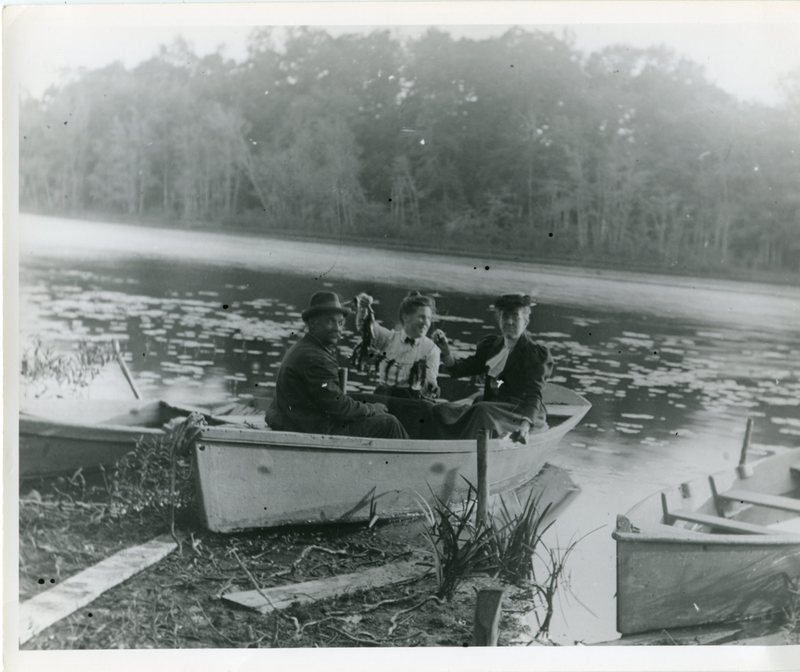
point(308, 397)
point(516, 369)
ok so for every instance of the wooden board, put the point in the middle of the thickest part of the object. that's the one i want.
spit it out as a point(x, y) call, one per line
point(51, 606)
point(267, 600)
point(726, 524)
point(759, 499)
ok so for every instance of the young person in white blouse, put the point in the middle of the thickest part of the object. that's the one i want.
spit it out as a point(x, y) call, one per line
point(407, 360)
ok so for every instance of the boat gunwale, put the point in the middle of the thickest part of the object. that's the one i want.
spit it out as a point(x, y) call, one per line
point(47, 428)
point(267, 438)
point(254, 437)
point(696, 537)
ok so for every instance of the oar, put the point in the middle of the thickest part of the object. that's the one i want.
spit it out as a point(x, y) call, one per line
point(124, 368)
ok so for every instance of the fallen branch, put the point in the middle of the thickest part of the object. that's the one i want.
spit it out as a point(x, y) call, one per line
point(373, 607)
point(394, 618)
point(307, 550)
point(291, 569)
point(357, 640)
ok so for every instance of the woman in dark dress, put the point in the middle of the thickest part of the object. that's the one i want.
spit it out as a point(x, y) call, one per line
point(516, 369)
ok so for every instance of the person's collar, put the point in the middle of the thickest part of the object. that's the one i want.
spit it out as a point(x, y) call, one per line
point(407, 339)
point(515, 343)
point(522, 337)
point(314, 339)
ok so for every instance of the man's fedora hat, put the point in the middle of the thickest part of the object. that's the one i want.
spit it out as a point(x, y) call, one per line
point(324, 302)
point(513, 301)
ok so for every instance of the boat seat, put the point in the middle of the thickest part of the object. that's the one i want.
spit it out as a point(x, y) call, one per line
point(794, 470)
point(759, 499)
point(725, 524)
point(716, 522)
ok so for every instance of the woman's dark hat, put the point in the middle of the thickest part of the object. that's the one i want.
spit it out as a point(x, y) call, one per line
point(324, 302)
point(513, 301)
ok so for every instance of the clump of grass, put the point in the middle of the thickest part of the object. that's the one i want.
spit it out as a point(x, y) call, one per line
point(461, 548)
point(517, 537)
point(153, 478)
point(41, 364)
point(156, 475)
point(505, 546)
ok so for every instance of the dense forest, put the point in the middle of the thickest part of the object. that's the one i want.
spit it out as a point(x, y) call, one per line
point(517, 144)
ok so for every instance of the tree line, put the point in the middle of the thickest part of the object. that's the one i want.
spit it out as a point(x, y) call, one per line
point(515, 144)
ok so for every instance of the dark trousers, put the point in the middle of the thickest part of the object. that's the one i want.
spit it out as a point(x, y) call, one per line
point(384, 426)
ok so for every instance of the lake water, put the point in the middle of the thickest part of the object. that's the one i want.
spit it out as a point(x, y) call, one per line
point(673, 366)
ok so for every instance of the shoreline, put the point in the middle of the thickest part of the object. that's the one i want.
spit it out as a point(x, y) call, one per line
point(602, 267)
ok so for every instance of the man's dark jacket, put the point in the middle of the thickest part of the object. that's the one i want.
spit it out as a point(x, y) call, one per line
point(307, 394)
point(522, 380)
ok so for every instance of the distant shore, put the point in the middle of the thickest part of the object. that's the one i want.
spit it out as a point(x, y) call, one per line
point(486, 254)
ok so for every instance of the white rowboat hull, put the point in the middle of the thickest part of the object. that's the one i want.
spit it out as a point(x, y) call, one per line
point(251, 478)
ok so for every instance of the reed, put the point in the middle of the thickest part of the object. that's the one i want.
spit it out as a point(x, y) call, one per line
point(517, 538)
point(508, 546)
point(157, 475)
point(41, 364)
point(461, 547)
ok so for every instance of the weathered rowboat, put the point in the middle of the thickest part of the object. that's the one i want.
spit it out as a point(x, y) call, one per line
point(63, 435)
point(262, 478)
point(721, 548)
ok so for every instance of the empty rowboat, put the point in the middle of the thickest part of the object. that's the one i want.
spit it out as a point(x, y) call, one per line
point(721, 548)
point(64, 435)
point(250, 478)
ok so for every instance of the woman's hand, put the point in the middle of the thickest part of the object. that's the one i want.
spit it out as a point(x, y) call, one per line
point(440, 340)
point(520, 435)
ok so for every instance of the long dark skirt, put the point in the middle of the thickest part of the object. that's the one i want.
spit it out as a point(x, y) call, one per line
point(424, 419)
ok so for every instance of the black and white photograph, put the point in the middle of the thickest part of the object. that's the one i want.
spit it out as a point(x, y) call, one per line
point(447, 327)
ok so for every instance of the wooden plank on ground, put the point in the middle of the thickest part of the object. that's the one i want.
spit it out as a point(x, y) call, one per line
point(51, 606)
point(267, 600)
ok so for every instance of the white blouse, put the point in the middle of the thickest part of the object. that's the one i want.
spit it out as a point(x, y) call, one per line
point(397, 356)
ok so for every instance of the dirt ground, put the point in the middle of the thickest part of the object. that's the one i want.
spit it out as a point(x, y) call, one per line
point(177, 602)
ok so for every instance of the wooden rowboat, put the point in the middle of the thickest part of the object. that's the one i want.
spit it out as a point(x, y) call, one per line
point(63, 435)
point(251, 478)
point(720, 548)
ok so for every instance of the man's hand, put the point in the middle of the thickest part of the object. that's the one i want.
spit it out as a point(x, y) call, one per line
point(379, 408)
